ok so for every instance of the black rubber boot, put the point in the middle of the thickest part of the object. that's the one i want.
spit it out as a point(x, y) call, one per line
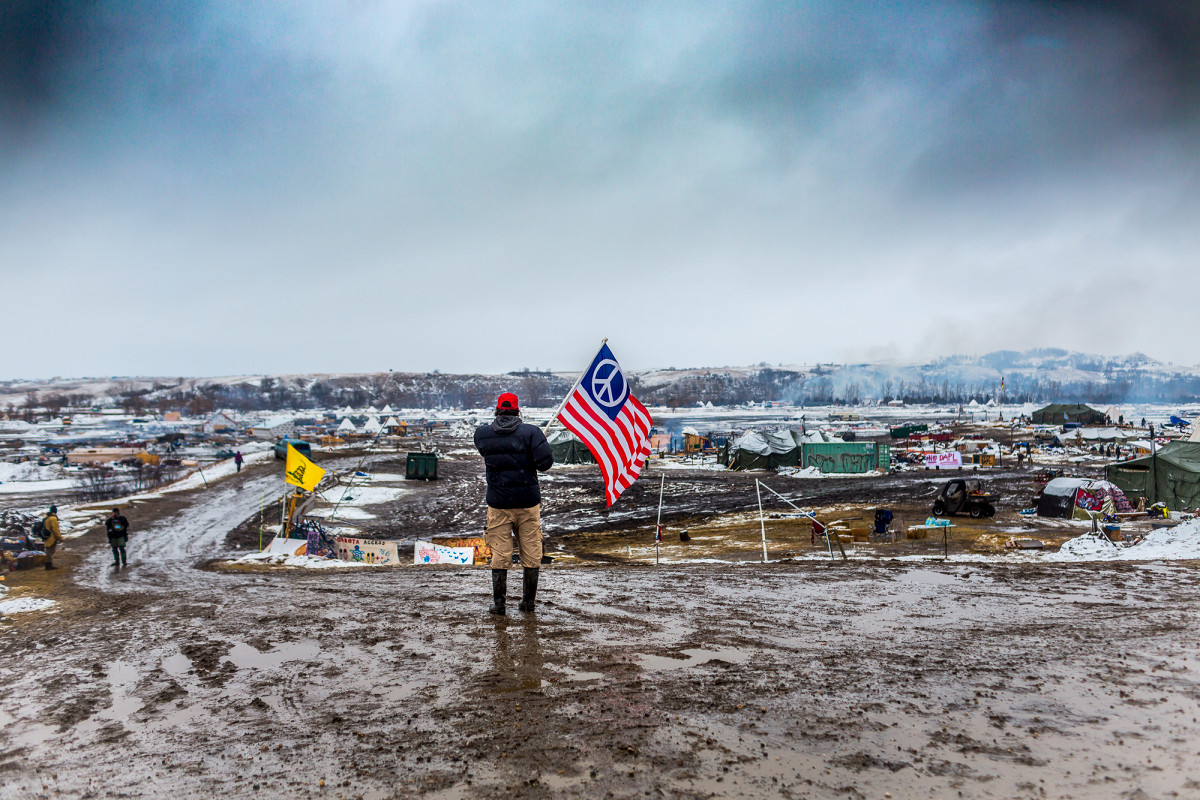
point(499, 588)
point(528, 589)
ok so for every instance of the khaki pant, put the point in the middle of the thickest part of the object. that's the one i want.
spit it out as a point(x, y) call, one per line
point(526, 523)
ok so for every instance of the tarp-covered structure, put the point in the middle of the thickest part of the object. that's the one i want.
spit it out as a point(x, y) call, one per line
point(569, 448)
point(1083, 435)
point(767, 449)
point(1058, 413)
point(1170, 476)
point(1081, 498)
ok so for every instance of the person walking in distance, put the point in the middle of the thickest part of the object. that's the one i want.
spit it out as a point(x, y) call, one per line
point(118, 534)
point(53, 536)
point(513, 454)
point(237, 460)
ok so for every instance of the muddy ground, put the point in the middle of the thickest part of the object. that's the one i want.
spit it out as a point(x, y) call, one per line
point(818, 678)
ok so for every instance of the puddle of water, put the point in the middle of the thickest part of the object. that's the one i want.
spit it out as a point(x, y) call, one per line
point(560, 783)
point(243, 656)
point(122, 677)
point(927, 577)
point(33, 734)
point(569, 674)
point(176, 666)
point(691, 658)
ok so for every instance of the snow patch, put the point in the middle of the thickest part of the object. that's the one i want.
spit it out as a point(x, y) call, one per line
point(302, 562)
point(1169, 544)
point(22, 604)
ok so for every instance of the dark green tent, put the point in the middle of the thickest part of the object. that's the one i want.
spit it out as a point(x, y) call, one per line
point(569, 449)
point(764, 450)
point(1058, 413)
point(1171, 476)
point(770, 449)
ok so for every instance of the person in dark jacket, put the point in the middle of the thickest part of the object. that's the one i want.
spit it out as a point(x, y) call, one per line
point(513, 454)
point(237, 460)
point(118, 534)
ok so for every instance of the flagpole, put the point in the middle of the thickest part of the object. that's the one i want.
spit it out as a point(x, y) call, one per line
point(571, 391)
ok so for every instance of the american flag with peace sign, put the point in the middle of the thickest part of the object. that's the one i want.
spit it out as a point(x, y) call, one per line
point(610, 421)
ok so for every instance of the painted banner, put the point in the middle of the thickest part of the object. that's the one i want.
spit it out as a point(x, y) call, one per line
point(366, 551)
point(430, 553)
point(950, 460)
point(483, 553)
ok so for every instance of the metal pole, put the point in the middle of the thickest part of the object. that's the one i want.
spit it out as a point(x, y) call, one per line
point(761, 522)
point(662, 480)
point(571, 391)
point(1154, 464)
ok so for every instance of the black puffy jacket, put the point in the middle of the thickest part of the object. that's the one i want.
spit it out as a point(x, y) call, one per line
point(513, 453)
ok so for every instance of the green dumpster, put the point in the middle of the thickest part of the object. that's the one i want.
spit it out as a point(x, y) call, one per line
point(421, 466)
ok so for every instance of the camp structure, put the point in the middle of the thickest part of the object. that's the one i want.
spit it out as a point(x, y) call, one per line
point(1091, 435)
point(794, 448)
point(1059, 413)
point(1171, 476)
point(347, 426)
point(1081, 498)
point(569, 448)
point(693, 442)
point(763, 450)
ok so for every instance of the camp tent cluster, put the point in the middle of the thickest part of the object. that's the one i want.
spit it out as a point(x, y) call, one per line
point(790, 447)
point(1170, 476)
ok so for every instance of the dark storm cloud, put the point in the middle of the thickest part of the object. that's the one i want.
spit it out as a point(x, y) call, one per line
point(207, 155)
point(985, 93)
point(39, 43)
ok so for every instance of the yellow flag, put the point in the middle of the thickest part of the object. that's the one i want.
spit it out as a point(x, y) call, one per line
point(301, 472)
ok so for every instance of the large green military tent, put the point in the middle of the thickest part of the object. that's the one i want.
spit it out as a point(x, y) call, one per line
point(569, 448)
point(1058, 413)
point(1171, 476)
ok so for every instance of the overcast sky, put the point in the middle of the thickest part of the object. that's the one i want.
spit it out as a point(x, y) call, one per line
point(211, 188)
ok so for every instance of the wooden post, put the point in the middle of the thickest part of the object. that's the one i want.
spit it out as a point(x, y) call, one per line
point(761, 522)
point(662, 480)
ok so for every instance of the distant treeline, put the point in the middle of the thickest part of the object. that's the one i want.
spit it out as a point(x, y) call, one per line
point(829, 385)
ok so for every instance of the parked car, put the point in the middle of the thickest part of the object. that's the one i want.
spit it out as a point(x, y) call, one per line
point(301, 447)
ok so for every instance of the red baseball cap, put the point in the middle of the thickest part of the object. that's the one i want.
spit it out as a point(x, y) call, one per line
point(507, 400)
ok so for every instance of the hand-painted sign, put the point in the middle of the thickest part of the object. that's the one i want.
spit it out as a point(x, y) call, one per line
point(949, 460)
point(367, 551)
point(483, 553)
point(430, 553)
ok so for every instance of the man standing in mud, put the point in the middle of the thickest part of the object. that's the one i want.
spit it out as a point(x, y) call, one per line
point(513, 454)
point(117, 528)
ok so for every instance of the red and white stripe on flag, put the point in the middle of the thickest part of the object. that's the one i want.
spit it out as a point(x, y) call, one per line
point(611, 422)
